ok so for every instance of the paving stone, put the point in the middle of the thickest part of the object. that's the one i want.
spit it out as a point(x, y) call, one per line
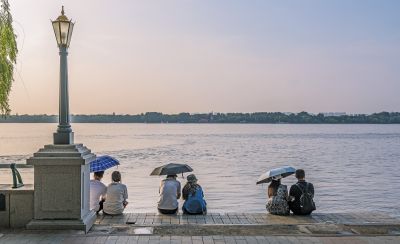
point(186, 239)
point(177, 241)
point(123, 239)
point(219, 242)
point(192, 221)
point(234, 220)
point(197, 241)
point(201, 221)
point(143, 240)
point(251, 240)
point(165, 240)
point(230, 240)
point(261, 239)
point(217, 237)
point(208, 240)
point(100, 239)
point(133, 239)
point(218, 220)
point(240, 241)
point(112, 240)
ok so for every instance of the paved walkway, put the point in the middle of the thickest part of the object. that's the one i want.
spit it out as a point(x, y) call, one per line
point(228, 228)
point(54, 239)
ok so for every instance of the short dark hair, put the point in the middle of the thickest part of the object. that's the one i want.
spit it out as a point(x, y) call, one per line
point(116, 176)
point(300, 174)
point(99, 174)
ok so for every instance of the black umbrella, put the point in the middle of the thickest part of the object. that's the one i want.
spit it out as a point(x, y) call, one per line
point(171, 169)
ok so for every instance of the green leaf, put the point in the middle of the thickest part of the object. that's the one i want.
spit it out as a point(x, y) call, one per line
point(8, 55)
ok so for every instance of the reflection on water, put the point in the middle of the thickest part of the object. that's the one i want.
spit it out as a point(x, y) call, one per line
point(353, 167)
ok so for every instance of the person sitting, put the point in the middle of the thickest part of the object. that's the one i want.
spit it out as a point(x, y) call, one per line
point(193, 195)
point(116, 196)
point(277, 197)
point(170, 192)
point(97, 192)
point(302, 194)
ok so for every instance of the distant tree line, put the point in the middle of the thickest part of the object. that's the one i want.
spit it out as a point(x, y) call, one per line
point(257, 118)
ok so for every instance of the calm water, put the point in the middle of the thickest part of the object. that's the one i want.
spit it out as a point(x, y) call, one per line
point(353, 167)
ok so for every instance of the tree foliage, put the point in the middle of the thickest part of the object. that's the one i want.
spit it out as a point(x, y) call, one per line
point(8, 55)
point(253, 118)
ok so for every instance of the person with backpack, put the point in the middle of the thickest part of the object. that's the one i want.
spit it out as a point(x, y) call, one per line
point(301, 195)
point(193, 195)
point(277, 197)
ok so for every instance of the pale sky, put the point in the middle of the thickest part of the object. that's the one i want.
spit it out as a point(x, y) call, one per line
point(211, 55)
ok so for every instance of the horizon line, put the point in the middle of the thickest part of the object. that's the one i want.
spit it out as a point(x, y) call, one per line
point(212, 112)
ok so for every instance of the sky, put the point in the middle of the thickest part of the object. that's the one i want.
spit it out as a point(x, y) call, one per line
point(173, 56)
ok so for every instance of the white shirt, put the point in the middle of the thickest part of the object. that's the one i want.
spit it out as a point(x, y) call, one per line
point(117, 193)
point(169, 190)
point(97, 191)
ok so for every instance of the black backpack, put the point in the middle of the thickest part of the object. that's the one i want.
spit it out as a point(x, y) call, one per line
point(307, 204)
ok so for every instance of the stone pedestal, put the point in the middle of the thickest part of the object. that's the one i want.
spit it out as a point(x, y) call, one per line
point(61, 197)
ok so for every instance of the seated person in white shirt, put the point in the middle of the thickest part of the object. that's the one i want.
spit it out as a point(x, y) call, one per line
point(170, 192)
point(97, 192)
point(117, 194)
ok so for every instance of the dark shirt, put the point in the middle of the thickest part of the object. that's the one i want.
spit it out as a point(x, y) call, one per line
point(296, 193)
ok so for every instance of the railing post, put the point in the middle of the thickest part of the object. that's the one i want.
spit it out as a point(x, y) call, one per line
point(17, 179)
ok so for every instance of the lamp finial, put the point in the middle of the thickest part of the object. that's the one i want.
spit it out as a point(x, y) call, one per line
point(62, 10)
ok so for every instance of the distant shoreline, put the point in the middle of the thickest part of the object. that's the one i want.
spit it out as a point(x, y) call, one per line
point(217, 118)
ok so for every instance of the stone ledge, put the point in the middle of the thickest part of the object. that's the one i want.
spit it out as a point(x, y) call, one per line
point(8, 188)
point(75, 154)
point(153, 219)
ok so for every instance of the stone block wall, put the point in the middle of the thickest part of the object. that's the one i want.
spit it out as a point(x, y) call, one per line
point(16, 206)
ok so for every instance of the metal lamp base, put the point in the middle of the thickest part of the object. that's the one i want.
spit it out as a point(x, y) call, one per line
point(62, 138)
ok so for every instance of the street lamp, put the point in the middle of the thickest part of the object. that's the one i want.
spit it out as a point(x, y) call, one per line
point(62, 170)
point(63, 31)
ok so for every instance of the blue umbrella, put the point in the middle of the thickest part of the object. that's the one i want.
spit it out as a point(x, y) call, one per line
point(102, 163)
point(281, 172)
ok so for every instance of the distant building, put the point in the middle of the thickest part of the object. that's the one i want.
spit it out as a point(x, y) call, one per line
point(334, 114)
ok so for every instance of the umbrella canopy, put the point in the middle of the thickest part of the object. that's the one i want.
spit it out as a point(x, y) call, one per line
point(102, 163)
point(171, 169)
point(278, 172)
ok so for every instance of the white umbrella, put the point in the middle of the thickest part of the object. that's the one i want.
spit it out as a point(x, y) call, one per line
point(281, 172)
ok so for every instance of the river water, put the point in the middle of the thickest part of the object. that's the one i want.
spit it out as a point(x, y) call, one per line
point(353, 167)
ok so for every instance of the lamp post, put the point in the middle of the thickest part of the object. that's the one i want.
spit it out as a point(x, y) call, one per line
point(63, 31)
point(61, 186)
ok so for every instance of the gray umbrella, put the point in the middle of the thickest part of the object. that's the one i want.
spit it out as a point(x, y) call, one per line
point(281, 172)
point(171, 169)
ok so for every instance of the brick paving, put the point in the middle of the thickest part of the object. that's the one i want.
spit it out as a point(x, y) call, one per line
point(122, 239)
point(150, 219)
